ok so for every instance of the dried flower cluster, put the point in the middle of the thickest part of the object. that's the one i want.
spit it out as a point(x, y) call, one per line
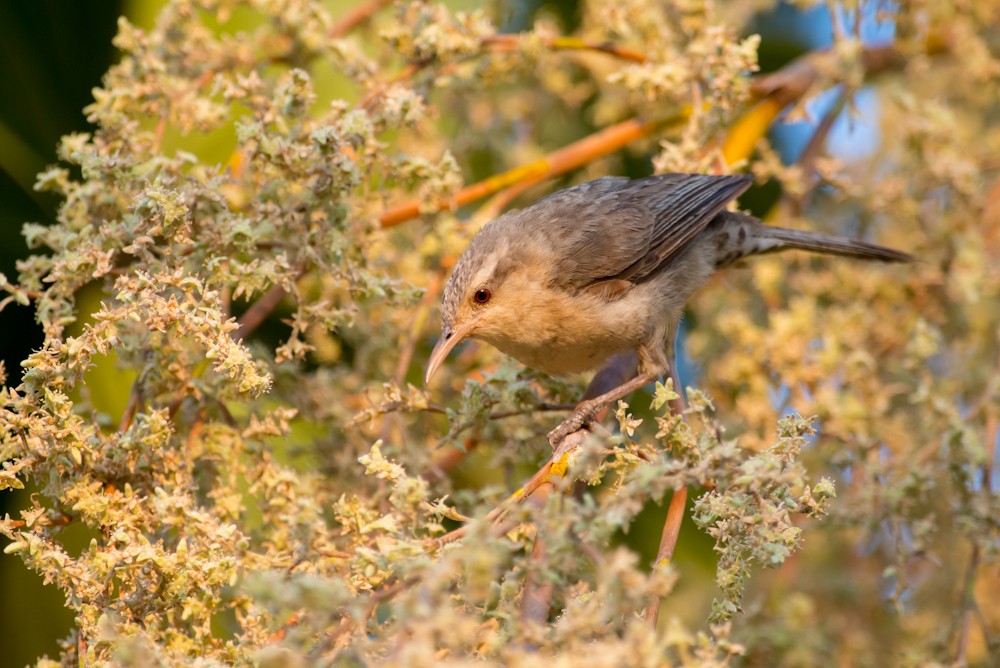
point(274, 495)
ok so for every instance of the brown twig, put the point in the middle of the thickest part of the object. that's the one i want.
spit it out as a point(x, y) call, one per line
point(292, 622)
point(793, 81)
point(675, 512)
point(355, 16)
point(992, 435)
point(406, 73)
point(500, 415)
point(134, 399)
point(161, 129)
point(260, 309)
point(258, 312)
point(668, 541)
point(814, 148)
point(536, 598)
point(415, 331)
point(968, 606)
point(790, 84)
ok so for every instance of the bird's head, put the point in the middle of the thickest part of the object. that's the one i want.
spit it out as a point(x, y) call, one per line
point(478, 300)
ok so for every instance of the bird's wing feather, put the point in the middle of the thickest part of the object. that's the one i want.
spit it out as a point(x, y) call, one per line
point(681, 209)
point(613, 229)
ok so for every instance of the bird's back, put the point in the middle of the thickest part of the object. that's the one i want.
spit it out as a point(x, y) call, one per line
point(615, 228)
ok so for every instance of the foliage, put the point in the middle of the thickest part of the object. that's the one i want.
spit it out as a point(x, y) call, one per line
point(282, 502)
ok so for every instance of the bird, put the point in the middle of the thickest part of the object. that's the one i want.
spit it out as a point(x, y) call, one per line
point(606, 267)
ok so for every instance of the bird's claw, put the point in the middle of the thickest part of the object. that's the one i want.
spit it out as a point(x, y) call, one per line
point(582, 417)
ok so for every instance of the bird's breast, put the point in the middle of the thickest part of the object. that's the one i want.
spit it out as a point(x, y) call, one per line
point(561, 334)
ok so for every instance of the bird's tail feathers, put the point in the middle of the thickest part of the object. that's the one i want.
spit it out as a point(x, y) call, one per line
point(741, 235)
point(830, 244)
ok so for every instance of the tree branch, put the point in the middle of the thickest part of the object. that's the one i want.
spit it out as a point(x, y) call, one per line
point(675, 512)
point(258, 312)
point(355, 16)
point(569, 157)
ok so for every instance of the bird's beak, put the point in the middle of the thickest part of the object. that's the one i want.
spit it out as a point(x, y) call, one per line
point(449, 339)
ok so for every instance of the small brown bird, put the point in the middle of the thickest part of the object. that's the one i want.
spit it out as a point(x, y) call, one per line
point(607, 267)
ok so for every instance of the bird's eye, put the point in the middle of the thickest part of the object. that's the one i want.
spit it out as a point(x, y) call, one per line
point(482, 295)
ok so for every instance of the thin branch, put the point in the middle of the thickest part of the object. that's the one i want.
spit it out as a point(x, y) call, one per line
point(536, 598)
point(510, 42)
point(968, 606)
point(355, 16)
point(675, 512)
point(134, 399)
point(258, 312)
point(793, 81)
point(292, 622)
point(260, 309)
point(567, 158)
point(405, 74)
point(814, 148)
point(668, 541)
point(500, 415)
point(396, 406)
point(61, 520)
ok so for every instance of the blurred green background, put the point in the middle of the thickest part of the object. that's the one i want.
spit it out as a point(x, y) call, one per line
point(52, 54)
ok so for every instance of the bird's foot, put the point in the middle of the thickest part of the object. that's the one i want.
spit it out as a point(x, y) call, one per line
point(582, 417)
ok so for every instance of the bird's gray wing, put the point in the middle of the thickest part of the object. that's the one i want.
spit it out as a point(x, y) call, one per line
point(681, 206)
point(613, 232)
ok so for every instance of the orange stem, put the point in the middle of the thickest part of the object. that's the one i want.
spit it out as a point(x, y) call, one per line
point(569, 157)
point(356, 16)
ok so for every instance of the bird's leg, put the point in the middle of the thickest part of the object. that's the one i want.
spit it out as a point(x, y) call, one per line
point(586, 410)
point(620, 369)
